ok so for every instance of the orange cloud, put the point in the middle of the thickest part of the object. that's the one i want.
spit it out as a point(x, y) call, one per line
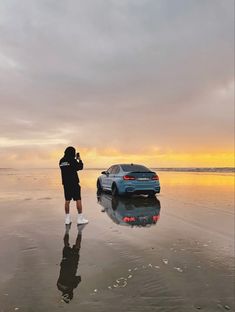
point(103, 158)
point(106, 157)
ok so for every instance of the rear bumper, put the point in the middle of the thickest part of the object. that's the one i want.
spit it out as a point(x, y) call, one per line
point(134, 187)
point(131, 190)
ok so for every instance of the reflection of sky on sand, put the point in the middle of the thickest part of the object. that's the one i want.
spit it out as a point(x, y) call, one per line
point(23, 182)
point(27, 184)
point(190, 247)
point(207, 190)
point(51, 178)
point(198, 179)
point(206, 199)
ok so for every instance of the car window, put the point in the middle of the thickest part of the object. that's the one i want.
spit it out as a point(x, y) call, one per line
point(115, 170)
point(131, 167)
point(110, 169)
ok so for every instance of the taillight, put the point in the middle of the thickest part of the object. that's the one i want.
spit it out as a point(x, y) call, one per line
point(155, 177)
point(128, 177)
point(129, 219)
point(155, 218)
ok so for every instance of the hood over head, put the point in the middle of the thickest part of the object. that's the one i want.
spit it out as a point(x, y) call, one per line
point(69, 152)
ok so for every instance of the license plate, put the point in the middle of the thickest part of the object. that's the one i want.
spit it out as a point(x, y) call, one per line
point(143, 179)
point(142, 218)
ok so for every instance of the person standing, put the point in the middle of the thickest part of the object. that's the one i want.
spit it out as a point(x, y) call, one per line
point(69, 165)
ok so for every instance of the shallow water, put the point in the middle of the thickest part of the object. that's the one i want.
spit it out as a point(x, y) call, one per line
point(184, 261)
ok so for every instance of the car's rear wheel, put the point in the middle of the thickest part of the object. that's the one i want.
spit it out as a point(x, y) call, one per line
point(114, 190)
point(99, 187)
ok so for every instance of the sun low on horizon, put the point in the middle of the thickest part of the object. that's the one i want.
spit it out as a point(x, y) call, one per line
point(148, 82)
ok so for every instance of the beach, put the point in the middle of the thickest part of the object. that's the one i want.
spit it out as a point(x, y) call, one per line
point(184, 262)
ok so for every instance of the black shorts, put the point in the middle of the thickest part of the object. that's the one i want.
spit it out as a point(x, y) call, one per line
point(72, 192)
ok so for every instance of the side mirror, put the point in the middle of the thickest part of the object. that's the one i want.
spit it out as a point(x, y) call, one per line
point(104, 172)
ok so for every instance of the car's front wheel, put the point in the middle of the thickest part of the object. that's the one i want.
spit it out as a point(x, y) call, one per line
point(114, 190)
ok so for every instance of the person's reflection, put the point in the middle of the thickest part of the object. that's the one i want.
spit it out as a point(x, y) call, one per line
point(68, 280)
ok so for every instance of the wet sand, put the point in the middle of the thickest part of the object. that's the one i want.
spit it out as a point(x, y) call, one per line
point(184, 262)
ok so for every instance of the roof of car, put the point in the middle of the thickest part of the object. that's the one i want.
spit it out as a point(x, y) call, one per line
point(129, 164)
point(126, 164)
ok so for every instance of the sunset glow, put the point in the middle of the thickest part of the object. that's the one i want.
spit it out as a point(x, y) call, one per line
point(147, 82)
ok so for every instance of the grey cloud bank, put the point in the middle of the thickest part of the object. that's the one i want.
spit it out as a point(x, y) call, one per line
point(156, 72)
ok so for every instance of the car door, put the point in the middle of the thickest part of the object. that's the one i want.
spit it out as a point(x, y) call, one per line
point(110, 177)
point(115, 172)
point(106, 178)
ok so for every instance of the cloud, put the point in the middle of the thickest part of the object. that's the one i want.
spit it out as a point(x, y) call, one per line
point(125, 75)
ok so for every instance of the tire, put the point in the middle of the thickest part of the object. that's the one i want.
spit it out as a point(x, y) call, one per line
point(99, 187)
point(114, 190)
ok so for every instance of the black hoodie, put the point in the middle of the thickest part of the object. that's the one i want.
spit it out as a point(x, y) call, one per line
point(69, 167)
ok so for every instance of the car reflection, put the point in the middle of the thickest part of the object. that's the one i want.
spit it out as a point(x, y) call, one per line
point(131, 211)
point(68, 279)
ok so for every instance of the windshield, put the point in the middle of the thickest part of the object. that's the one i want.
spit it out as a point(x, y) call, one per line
point(138, 168)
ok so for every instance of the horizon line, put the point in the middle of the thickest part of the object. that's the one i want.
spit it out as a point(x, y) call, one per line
point(101, 168)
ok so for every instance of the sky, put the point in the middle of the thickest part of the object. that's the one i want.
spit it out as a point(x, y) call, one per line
point(143, 81)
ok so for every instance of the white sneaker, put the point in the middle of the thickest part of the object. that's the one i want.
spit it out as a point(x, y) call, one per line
point(67, 219)
point(81, 219)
